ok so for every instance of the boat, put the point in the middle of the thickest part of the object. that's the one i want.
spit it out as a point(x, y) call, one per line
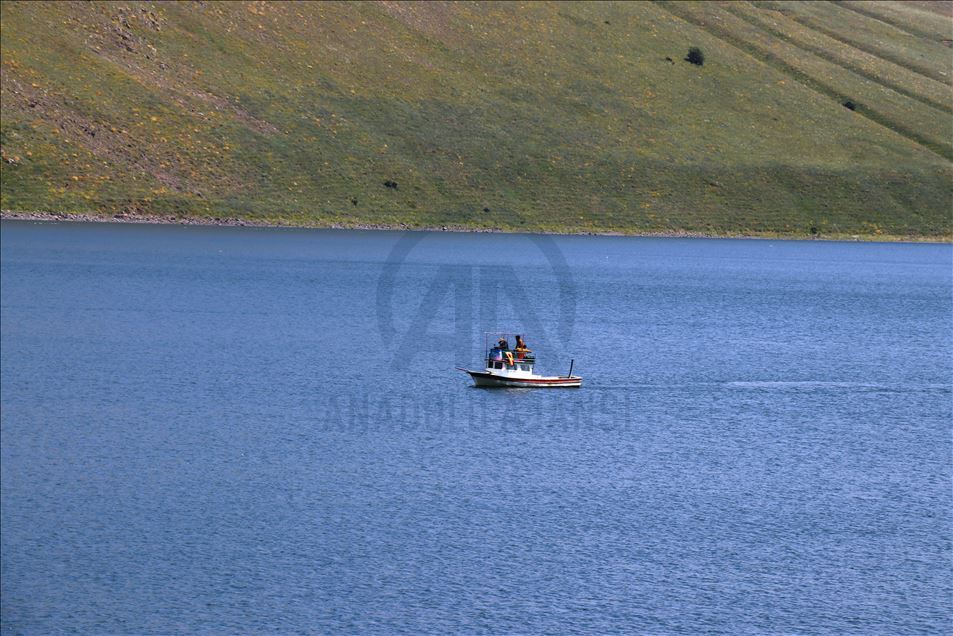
point(507, 367)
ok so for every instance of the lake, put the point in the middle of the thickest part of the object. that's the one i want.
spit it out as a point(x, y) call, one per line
point(262, 430)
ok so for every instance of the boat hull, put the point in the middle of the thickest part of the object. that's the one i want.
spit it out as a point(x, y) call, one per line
point(488, 380)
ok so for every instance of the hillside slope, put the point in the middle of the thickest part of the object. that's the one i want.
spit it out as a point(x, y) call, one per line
point(535, 116)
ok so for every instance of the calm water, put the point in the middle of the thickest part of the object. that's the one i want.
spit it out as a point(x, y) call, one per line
point(249, 430)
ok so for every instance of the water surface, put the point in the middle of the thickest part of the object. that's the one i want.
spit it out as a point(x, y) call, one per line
point(254, 430)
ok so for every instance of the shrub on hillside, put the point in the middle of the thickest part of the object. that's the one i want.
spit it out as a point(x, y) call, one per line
point(695, 56)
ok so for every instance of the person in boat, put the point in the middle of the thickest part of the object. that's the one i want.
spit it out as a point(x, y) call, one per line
point(521, 348)
point(506, 355)
point(496, 353)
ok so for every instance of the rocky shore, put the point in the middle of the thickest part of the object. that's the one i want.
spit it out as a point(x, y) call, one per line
point(125, 218)
point(85, 217)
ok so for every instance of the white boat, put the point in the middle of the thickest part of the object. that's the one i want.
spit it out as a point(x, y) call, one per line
point(507, 367)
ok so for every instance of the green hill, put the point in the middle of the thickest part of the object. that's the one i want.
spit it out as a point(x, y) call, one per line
point(516, 116)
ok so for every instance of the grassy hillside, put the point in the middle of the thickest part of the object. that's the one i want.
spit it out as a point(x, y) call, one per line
point(523, 116)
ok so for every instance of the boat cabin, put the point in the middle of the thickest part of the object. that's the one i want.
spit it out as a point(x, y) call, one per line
point(510, 360)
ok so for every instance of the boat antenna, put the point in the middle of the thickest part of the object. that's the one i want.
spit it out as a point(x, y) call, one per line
point(571, 362)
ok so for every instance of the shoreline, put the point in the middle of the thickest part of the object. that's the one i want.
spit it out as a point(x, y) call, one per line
point(149, 219)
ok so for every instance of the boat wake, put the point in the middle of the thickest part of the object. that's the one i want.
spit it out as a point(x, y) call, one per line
point(782, 385)
point(817, 385)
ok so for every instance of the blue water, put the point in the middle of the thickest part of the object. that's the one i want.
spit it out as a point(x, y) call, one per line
point(251, 430)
